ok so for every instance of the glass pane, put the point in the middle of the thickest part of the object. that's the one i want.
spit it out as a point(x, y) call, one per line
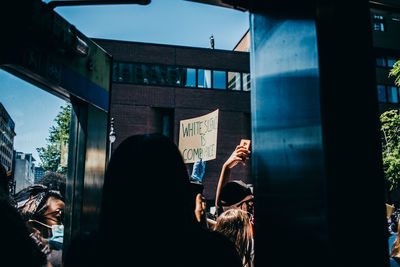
point(381, 61)
point(140, 71)
point(152, 74)
point(204, 78)
point(173, 77)
point(162, 75)
point(379, 26)
point(392, 94)
point(188, 77)
point(391, 61)
point(115, 72)
point(381, 93)
point(234, 81)
point(219, 79)
point(125, 72)
point(246, 81)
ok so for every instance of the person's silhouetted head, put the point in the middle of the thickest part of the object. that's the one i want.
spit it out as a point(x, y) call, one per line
point(148, 213)
point(236, 194)
point(146, 193)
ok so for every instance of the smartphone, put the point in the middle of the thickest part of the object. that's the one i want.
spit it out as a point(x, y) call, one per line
point(245, 143)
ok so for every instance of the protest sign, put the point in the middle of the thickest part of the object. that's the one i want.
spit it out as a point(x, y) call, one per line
point(198, 137)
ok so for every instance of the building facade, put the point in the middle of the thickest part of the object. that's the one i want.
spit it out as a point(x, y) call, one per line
point(7, 134)
point(385, 21)
point(155, 86)
point(24, 170)
point(39, 173)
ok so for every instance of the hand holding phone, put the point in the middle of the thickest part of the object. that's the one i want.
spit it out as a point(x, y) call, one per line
point(246, 143)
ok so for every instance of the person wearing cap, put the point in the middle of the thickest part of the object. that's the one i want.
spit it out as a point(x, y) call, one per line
point(234, 194)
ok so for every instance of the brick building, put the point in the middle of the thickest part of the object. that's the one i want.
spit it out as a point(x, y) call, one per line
point(155, 86)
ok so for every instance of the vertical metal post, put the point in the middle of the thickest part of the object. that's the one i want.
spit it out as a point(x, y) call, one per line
point(316, 152)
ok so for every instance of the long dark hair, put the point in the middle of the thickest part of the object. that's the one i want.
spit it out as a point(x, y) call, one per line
point(146, 180)
point(236, 226)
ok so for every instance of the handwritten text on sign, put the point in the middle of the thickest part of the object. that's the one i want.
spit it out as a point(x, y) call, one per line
point(198, 137)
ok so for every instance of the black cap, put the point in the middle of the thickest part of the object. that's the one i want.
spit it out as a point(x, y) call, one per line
point(234, 192)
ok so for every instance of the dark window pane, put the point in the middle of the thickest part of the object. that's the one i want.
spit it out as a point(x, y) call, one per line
point(392, 94)
point(115, 72)
point(381, 93)
point(125, 72)
point(246, 81)
point(219, 79)
point(234, 81)
point(204, 78)
point(153, 74)
point(140, 71)
point(162, 75)
point(174, 77)
point(379, 23)
point(379, 26)
point(381, 62)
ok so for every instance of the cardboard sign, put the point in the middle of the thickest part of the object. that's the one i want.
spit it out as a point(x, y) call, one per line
point(198, 137)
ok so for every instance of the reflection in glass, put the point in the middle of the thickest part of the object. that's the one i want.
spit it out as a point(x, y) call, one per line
point(391, 62)
point(392, 94)
point(188, 77)
point(219, 79)
point(115, 71)
point(173, 77)
point(246, 81)
point(125, 72)
point(204, 78)
point(381, 93)
point(152, 74)
point(234, 81)
point(140, 70)
point(381, 62)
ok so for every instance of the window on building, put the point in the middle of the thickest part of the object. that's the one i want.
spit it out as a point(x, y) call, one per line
point(123, 72)
point(174, 77)
point(162, 75)
point(204, 78)
point(381, 93)
point(246, 81)
point(115, 72)
point(219, 79)
point(234, 81)
point(391, 61)
point(381, 62)
point(188, 77)
point(140, 74)
point(379, 23)
point(393, 96)
point(152, 75)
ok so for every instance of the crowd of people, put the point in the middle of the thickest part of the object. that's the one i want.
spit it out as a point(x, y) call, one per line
point(137, 224)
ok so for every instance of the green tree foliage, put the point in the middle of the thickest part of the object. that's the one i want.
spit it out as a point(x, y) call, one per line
point(395, 71)
point(390, 127)
point(50, 155)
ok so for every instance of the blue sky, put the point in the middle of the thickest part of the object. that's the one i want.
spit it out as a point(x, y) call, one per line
point(174, 22)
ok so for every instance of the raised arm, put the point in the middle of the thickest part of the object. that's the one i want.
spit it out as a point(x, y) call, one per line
point(240, 154)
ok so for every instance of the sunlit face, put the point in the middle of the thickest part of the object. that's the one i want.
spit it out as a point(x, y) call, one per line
point(55, 212)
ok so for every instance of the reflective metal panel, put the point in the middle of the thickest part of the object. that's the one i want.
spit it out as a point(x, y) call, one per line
point(95, 164)
point(287, 139)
